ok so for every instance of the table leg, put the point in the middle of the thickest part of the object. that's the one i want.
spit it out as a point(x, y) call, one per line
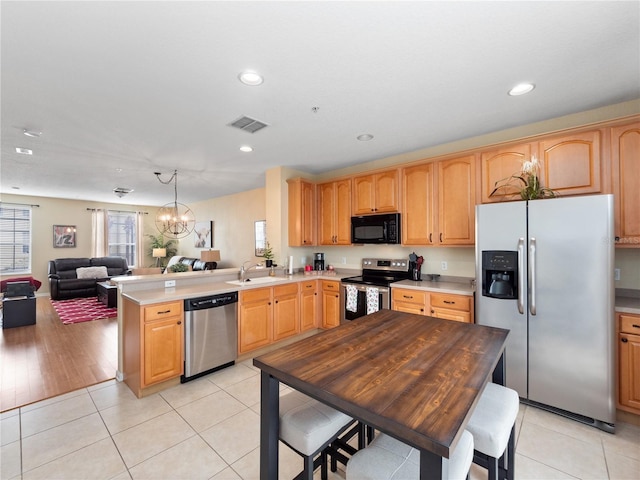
point(499, 372)
point(433, 466)
point(269, 425)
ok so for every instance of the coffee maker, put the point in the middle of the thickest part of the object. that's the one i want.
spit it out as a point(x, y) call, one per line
point(500, 274)
point(318, 261)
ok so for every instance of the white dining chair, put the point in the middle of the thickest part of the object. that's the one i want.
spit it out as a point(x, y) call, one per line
point(386, 458)
point(308, 427)
point(492, 425)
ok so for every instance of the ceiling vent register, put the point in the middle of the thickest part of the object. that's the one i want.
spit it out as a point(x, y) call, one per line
point(248, 124)
point(121, 191)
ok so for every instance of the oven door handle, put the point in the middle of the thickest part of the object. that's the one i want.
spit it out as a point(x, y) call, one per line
point(363, 288)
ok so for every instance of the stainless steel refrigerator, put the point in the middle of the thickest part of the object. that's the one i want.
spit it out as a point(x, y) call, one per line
point(544, 270)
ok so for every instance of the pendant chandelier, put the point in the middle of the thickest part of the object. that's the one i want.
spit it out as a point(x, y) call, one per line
point(174, 219)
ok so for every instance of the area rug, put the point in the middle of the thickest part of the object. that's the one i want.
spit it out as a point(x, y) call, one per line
point(77, 310)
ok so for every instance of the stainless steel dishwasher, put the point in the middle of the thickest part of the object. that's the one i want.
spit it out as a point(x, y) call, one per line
point(211, 334)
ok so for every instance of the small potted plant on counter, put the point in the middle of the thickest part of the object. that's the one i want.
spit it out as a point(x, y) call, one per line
point(268, 255)
point(179, 267)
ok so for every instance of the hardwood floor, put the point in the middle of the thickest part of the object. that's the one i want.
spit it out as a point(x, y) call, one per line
point(47, 359)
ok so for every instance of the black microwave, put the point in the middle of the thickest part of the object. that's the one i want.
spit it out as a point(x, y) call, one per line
point(382, 228)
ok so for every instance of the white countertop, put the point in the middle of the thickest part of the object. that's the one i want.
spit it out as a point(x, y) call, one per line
point(628, 301)
point(157, 295)
point(456, 288)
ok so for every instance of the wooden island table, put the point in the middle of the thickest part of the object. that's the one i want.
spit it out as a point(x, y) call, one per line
point(413, 377)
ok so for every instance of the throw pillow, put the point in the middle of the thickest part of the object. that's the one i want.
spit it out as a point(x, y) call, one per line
point(91, 272)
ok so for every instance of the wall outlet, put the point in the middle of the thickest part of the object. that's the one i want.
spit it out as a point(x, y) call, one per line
point(443, 265)
point(343, 260)
point(169, 283)
point(616, 274)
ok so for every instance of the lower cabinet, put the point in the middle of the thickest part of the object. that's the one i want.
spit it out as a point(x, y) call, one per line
point(266, 315)
point(309, 305)
point(330, 303)
point(440, 305)
point(153, 344)
point(629, 362)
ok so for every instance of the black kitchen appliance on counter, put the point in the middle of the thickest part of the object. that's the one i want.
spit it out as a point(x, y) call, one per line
point(318, 261)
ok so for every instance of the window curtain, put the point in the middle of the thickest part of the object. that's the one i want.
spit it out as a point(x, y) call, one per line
point(99, 241)
point(140, 239)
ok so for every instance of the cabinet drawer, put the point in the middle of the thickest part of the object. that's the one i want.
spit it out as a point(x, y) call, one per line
point(452, 302)
point(162, 311)
point(255, 295)
point(308, 286)
point(289, 289)
point(409, 296)
point(629, 324)
point(329, 285)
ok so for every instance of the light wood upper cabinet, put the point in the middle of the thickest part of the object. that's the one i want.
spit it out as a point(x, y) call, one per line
point(302, 207)
point(625, 156)
point(376, 193)
point(439, 202)
point(418, 203)
point(498, 165)
point(334, 213)
point(457, 201)
point(570, 164)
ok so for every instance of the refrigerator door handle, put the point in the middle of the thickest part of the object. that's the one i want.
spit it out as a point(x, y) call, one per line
point(532, 276)
point(521, 275)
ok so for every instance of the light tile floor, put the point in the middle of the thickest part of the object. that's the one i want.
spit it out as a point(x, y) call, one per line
point(209, 429)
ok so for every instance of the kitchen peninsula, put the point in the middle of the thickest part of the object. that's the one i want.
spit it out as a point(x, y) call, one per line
point(152, 310)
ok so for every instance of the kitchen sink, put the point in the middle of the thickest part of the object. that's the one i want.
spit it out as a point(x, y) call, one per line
point(256, 281)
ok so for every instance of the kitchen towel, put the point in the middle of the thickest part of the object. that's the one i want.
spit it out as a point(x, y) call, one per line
point(373, 304)
point(352, 298)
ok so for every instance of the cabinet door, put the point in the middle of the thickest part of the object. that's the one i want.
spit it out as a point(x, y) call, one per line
point(364, 195)
point(301, 213)
point(330, 304)
point(417, 201)
point(386, 191)
point(571, 163)
point(342, 217)
point(457, 201)
point(499, 165)
point(625, 153)
point(326, 212)
point(163, 341)
point(308, 305)
point(256, 319)
point(629, 370)
point(286, 311)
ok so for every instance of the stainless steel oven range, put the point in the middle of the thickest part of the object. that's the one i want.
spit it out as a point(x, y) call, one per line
point(372, 286)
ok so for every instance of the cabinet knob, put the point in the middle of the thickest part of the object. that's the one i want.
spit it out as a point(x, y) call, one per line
point(430, 238)
point(422, 309)
point(433, 311)
point(276, 301)
point(179, 322)
point(624, 340)
point(441, 238)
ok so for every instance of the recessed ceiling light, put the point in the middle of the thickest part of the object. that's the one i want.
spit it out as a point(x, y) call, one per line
point(246, 148)
point(365, 137)
point(521, 89)
point(31, 133)
point(250, 78)
point(24, 151)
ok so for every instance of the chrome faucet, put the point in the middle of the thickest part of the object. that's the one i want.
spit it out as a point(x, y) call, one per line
point(243, 270)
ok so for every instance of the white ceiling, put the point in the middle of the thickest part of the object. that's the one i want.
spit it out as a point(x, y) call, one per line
point(152, 86)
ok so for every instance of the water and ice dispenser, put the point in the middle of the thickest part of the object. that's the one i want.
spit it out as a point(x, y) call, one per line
point(500, 274)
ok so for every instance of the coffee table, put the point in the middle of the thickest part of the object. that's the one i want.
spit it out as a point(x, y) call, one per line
point(108, 294)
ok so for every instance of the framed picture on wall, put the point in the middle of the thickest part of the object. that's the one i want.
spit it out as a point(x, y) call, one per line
point(64, 236)
point(203, 235)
